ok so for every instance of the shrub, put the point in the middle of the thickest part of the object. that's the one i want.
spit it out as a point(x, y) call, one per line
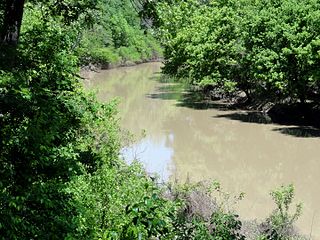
point(129, 54)
point(280, 223)
point(103, 56)
point(205, 212)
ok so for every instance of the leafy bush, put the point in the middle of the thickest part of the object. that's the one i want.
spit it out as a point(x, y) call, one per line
point(226, 226)
point(129, 54)
point(280, 223)
point(120, 203)
point(103, 56)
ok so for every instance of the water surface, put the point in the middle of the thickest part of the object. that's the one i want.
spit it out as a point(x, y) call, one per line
point(203, 140)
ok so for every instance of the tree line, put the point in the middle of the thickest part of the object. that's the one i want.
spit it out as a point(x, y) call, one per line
point(268, 49)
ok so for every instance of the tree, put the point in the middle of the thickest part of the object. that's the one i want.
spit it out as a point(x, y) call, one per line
point(12, 11)
point(12, 18)
point(43, 111)
point(268, 49)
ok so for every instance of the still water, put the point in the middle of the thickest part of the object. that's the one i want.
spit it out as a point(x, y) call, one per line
point(199, 140)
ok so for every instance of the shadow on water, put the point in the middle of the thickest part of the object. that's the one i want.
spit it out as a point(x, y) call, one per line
point(184, 97)
point(187, 98)
point(248, 117)
point(303, 132)
point(198, 102)
point(300, 128)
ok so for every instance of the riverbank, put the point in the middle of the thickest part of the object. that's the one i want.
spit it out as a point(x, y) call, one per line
point(279, 111)
point(88, 71)
point(238, 148)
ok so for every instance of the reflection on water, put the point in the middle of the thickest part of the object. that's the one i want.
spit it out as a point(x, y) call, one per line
point(160, 164)
point(187, 135)
point(249, 117)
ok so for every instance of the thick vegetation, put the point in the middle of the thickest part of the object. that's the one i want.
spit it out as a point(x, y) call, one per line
point(264, 48)
point(61, 176)
point(117, 37)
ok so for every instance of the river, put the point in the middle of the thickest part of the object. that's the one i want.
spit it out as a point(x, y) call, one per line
point(187, 139)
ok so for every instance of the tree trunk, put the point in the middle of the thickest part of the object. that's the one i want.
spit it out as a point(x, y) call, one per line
point(10, 30)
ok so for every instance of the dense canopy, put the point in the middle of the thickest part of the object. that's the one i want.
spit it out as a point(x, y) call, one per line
point(265, 48)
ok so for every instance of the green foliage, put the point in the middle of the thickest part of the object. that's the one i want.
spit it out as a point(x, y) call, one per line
point(49, 132)
point(103, 56)
point(279, 225)
point(129, 54)
point(61, 176)
point(263, 48)
point(121, 203)
point(226, 226)
point(60, 167)
point(119, 31)
point(282, 220)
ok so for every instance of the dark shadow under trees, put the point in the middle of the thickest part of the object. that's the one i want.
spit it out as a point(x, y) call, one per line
point(188, 98)
point(298, 120)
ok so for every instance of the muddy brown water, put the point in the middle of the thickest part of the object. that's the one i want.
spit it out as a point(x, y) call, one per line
point(185, 138)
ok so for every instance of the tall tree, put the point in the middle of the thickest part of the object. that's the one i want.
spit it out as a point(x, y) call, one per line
point(12, 18)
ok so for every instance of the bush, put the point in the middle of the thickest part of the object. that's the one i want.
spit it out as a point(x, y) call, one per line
point(280, 223)
point(103, 56)
point(205, 212)
point(129, 54)
point(120, 203)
